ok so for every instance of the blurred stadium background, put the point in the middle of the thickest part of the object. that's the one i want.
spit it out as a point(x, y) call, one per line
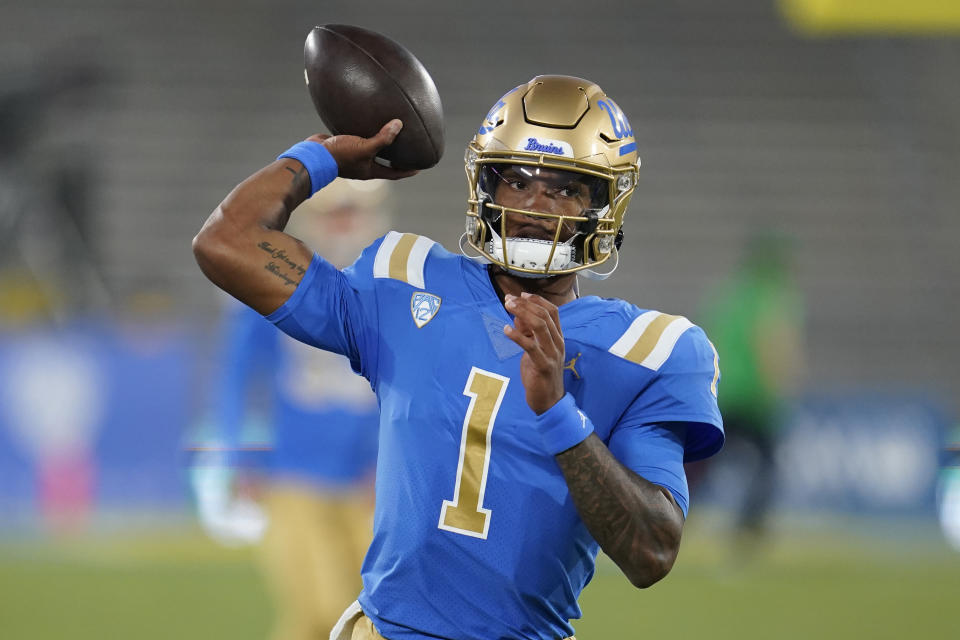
point(835, 123)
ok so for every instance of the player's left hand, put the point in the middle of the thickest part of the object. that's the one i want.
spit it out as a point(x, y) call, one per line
point(536, 329)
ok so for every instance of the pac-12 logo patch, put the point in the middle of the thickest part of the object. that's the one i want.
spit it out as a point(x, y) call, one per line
point(423, 306)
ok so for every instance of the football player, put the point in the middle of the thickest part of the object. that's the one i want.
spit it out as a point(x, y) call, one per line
point(521, 425)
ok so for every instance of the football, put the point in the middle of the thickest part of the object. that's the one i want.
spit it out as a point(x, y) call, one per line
point(359, 80)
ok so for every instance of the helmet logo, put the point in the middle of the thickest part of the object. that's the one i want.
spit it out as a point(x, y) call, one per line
point(556, 147)
point(491, 122)
point(621, 128)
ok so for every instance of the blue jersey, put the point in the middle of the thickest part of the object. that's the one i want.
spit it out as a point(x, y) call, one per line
point(475, 532)
point(323, 417)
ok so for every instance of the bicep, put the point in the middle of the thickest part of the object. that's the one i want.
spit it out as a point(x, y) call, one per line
point(259, 267)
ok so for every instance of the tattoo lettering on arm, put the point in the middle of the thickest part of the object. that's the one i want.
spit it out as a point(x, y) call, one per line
point(275, 270)
point(282, 265)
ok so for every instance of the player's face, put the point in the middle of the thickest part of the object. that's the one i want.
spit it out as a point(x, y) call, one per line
point(551, 191)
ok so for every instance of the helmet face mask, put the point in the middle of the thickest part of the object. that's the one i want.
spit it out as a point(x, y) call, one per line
point(550, 173)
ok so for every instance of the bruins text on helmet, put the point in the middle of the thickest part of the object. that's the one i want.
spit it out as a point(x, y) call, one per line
point(565, 137)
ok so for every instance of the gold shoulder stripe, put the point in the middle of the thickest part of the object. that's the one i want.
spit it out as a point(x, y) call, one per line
point(402, 256)
point(650, 338)
point(644, 345)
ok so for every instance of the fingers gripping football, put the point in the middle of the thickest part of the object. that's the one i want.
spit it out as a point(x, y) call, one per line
point(355, 155)
point(536, 329)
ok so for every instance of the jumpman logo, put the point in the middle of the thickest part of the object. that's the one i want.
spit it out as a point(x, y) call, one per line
point(572, 365)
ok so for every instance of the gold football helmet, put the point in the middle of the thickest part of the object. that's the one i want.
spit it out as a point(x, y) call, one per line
point(566, 135)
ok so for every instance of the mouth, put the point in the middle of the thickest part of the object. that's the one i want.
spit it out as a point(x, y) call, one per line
point(533, 232)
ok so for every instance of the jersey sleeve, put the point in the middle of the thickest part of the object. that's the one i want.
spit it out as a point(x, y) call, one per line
point(655, 453)
point(686, 391)
point(336, 311)
point(683, 392)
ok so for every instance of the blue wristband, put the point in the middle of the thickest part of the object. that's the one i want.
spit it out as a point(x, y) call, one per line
point(563, 426)
point(318, 162)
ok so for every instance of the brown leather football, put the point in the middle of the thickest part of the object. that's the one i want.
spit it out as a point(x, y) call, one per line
point(359, 80)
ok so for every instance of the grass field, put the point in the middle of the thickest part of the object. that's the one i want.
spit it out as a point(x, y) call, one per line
point(815, 583)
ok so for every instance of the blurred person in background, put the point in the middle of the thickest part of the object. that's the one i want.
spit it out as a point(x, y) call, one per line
point(315, 481)
point(756, 323)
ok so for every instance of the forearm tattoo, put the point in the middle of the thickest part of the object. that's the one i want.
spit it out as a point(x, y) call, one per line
point(281, 265)
point(629, 517)
point(298, 176)
point(299, 187)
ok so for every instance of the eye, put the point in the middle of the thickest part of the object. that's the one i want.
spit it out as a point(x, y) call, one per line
point(569, 191)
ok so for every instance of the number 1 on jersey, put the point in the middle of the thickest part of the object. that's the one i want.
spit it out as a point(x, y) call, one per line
point(465, 513)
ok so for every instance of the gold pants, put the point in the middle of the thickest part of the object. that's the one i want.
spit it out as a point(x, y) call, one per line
point(311, 556)
point(354, 625)
point(363, 629)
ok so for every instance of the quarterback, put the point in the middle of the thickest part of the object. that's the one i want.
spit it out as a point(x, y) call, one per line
point(522, 426)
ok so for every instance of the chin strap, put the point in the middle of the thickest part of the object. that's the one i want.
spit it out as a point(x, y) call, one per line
point(530, 253)
point(590, 274)
point(470, 252)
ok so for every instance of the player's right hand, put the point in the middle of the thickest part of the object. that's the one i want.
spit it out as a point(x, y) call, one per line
point(355, 155)
point(536, 329)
